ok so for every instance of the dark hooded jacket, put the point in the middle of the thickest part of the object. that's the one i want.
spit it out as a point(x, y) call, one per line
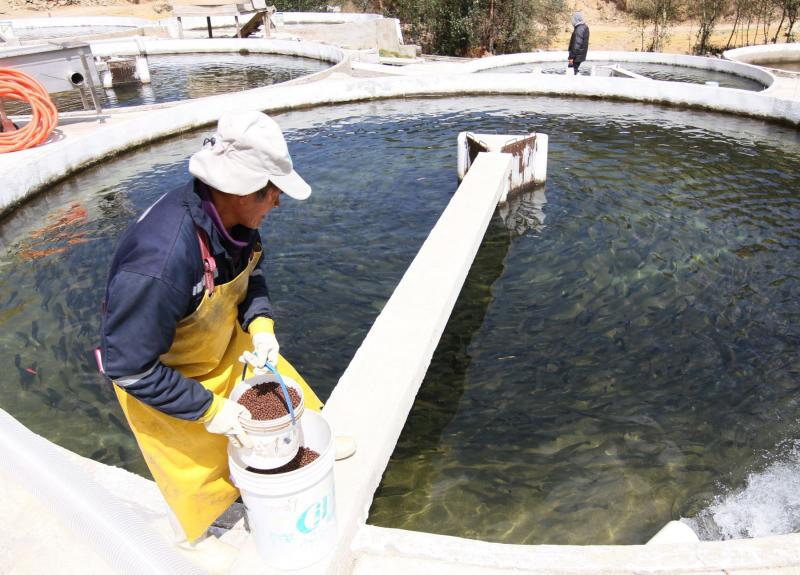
point(579, 43)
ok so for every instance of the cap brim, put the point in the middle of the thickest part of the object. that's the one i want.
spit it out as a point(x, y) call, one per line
point(292, 185)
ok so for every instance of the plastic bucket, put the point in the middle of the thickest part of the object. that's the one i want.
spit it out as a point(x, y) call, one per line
point(292, 515)
point(275, 441)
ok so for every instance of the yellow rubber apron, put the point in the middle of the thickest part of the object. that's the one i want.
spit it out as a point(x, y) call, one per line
point(189, 464)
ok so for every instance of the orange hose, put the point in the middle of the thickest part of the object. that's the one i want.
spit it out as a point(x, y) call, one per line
point(16, 85)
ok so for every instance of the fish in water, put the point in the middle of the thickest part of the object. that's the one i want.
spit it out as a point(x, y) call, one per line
point(27, 339)
point(62, 375)
point(88, 409)
point(60, 350)
point(11, 298)
point(27, 375)
point(96, 390)
point(115, 420)
point(50, 396)
point(98, 454)
point(35, 330)
point(61, 316)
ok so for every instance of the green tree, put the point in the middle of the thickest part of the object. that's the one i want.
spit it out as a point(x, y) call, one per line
point(470, 27)
point(300, 5)
point(655, 17)
point(706, 12)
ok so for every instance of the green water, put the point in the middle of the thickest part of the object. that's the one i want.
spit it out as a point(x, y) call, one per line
point(623, 348)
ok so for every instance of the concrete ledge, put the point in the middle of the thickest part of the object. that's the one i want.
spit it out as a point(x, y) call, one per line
point(84, 21)
point(395, 551)
point(154, 46)
point(764, 53)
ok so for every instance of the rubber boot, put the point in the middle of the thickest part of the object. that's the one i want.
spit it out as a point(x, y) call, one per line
point(207, 551)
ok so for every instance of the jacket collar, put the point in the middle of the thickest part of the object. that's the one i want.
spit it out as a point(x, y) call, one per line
point(192, 199)
point(193, 202)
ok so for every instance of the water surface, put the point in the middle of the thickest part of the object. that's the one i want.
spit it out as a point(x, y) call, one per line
point(781, 65)
point(182, 76)
point(649, 70)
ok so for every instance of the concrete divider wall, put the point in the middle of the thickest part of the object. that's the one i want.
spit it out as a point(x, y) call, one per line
point(132, 47)
point(765, 53)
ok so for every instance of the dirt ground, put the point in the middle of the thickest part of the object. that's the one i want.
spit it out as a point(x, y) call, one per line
point(610, 29)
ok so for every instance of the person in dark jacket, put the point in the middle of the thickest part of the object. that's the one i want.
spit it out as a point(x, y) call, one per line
point(186, 298)
point(578, 42)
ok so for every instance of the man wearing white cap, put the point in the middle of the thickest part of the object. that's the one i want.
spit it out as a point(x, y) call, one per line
point(186, 298)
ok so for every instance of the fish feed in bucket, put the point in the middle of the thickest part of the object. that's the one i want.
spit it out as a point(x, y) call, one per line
point(275, 441)
point(292, 515)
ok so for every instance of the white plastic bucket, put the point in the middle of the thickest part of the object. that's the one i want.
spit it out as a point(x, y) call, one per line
point(292, 515)
point(275, 441)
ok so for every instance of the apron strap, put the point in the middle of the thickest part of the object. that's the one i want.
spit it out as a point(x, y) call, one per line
point(209, 263)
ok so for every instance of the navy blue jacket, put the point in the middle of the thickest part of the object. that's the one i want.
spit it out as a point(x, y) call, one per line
point(156, 280)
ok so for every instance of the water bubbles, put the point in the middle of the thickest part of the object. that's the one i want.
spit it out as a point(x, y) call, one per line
point(768, 504)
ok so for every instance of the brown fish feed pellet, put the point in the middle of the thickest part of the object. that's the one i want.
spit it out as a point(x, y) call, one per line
point(304, 456)
point(265, 401)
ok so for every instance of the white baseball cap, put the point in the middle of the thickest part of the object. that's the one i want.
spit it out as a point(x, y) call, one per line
point(246, 153)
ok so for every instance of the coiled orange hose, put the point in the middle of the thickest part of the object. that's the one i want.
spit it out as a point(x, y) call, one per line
point(16, 85)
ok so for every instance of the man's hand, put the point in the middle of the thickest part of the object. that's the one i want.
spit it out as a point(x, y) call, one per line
point(226, 422)
point(571, 62)
point(265, 346)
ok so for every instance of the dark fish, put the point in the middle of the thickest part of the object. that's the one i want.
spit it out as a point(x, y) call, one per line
point(122, 454)
point(53, 397)
point(35, 330)
point(60, 350)
point(62, 375)
point(98, 454)
point(27, 339)
point(46, 300)
point(17, 360)
point(13, 295)
point(87, 408)
point(115, 420)
point(96, 390)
